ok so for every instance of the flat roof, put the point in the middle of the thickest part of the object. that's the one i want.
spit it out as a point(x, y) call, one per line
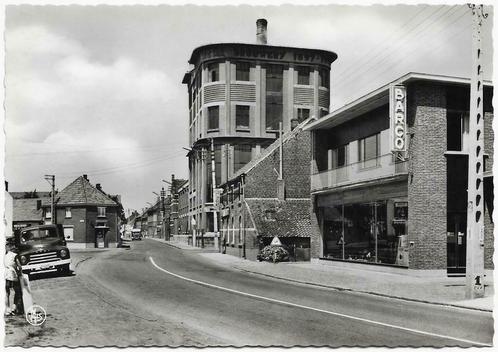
point(329, 54)
point(378, 98)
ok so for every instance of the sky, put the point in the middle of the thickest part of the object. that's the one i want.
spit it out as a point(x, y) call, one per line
point(97, 90)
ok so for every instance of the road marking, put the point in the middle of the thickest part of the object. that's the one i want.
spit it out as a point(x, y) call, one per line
point(318, 309)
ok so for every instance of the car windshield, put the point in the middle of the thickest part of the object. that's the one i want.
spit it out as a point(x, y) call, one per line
point(38, 234)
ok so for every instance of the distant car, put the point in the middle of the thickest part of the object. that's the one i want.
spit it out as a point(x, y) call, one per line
point(43, 248)
point(136, 235)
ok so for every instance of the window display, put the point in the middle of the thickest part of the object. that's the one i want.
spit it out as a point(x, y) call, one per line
point(359, 232)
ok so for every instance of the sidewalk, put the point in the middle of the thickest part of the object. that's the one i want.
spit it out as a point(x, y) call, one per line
point(448, 291)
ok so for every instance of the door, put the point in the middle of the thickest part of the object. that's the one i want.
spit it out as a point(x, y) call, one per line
point(456, 244)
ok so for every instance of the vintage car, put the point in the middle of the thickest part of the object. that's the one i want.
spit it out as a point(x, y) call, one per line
point(42, 248)
point(136, 235)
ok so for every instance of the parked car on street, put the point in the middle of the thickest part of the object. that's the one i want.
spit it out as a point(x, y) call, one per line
point(42, 248)
point(136, 235)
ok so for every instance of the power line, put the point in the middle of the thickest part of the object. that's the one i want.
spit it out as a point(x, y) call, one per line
point(387, 54)
point(121, 168)
point(371, 71)
point(159, 147)
point(354, 64)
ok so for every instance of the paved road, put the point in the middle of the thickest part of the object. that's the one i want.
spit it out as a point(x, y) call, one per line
point(236, 308)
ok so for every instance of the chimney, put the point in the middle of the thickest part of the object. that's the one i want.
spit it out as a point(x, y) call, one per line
point(261, 31)
point(85, 176)
point(98, 187)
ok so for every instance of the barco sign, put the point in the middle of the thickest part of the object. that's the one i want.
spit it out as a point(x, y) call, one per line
point(398, 118)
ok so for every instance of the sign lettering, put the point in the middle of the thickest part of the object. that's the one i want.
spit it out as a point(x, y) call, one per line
point(398, 118)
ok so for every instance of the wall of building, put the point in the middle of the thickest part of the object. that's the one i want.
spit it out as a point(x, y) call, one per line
point(78, 221)
point(427, 176)
point(261, 181)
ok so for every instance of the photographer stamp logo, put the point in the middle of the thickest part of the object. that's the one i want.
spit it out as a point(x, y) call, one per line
point(36, 315)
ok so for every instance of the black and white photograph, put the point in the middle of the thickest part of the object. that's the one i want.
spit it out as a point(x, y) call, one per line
point(248, 174)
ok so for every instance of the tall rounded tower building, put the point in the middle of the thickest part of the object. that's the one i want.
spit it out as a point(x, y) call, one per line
point(238, 96)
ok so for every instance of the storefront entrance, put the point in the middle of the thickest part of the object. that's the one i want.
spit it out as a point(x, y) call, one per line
point(456, 243)
point(456, 219)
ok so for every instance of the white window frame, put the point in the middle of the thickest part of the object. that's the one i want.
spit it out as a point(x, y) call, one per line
point(101, 212)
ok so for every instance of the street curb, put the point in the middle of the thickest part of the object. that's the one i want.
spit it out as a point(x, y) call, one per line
point(198, 249)
point(368, 292)
point(349, 289)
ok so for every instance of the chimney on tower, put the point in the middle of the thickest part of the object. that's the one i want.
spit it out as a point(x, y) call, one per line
point(261, 31)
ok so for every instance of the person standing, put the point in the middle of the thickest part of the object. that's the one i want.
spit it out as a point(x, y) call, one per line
point(12, 269)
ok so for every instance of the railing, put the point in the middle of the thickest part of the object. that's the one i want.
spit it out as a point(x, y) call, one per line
point(382, 166)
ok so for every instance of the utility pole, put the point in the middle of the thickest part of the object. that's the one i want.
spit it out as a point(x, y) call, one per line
point(51, 181)
point(163, 220)
point(280, 170)
point(474, 287)
point(215, 203)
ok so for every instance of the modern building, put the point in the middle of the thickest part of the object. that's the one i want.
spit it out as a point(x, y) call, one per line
point(393, 192)
point(268, 197)
point(239, 94)
point(90, 217)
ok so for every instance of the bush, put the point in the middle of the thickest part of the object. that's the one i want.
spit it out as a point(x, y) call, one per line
point(274, 254)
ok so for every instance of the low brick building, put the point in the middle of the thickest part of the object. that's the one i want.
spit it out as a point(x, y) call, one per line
point(257, 205)
point(90, 217)
point(378, 206)
point(27, 209)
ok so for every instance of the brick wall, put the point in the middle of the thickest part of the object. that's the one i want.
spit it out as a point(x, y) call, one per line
point(427, 176)
point(79, 228)
point(261, 181)
point(488, 225)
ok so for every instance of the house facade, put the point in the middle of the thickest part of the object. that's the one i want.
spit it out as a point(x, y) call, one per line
point(375, 205)
point(90, 217)
point(270, 197)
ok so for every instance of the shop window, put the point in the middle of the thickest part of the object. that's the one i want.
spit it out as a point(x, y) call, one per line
point(359, 232)
point(303, 75)
point(324, 78)
point(457, 130)
point(302, 114)
point(214, 72)
point(101, 212)
point(369, 150)
point(68, 213)
point(242, 71)
point(213, 117)
point(242, 155)
point(242, 117)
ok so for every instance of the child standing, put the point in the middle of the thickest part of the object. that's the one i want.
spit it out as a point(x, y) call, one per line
point(12, 280)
